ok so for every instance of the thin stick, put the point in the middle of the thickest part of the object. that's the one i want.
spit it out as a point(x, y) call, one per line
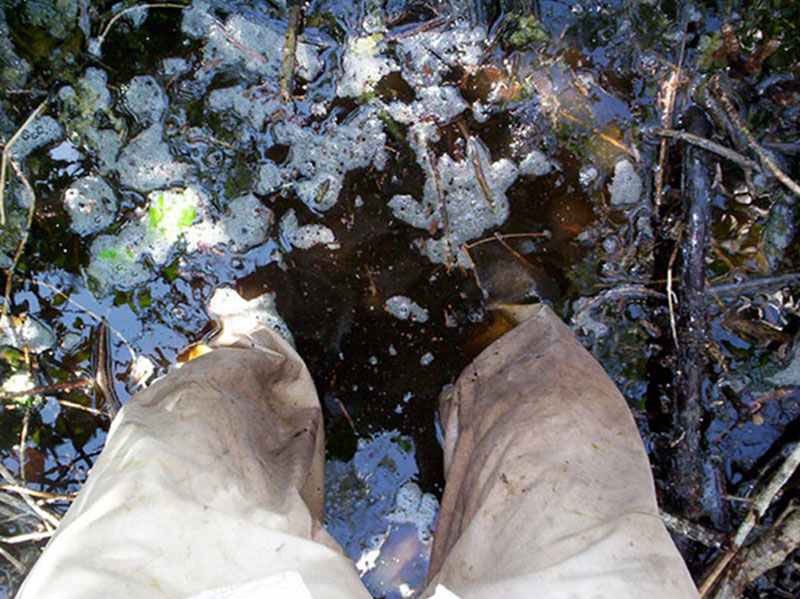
point(97, 43)
point(18, 565)
point(103, 378)
point(498, 237)
point(604, 136)
point(289, 58)
point(754, 284)
point(23, 240)
point(472, 150)
point(473, 153)
point(448, 250)
point(46, 389)
point(708, 145)
point(26, 92)
point(373, 290)
point(760, 505)
point(27, 537)
point(621, 292)
point(765, 158)
point(223, 30)
point(6, 157)
point(513, 252)
point(77, 406)
point(690, 530)
point(23, 441)
point(764, 499)
point(669, 108)
point(49, 520)
point(466, 248)
point(22, 490)
point(671, 297)
point(347, 416)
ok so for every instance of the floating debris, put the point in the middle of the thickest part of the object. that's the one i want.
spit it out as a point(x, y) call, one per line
point(91, 204)
point(470, 211)
point(626, 185)
point(145, 100)
point(39, 132)
point(412, 506)
point(146, 164)
point(405, 308)
point(307, 236)
point(535, 164)
point(363, 66)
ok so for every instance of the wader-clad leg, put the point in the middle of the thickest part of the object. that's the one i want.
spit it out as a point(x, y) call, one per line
point(549, 492)
point(210, 477)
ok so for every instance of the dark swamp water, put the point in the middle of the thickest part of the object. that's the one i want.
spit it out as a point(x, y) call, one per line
point(430, 159)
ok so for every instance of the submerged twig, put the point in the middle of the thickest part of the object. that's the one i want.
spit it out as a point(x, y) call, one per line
point(766, 159)
point(340, 403)
point(707, 144)
point(71, 404)
point(448, 250)
point(474, 154)
point(6, 157)
point(671, 297)
point(617, 293)
point(511, 250)
point(477, 277)
point(18, 565)
point(48, 519)
point(670, 92)
point(477, 166)
point(686, 474)
point(289, 51)
point(604, 136)
point(758, 508)
point(499, 236)
point(768, 552)
point(23, 240)
point(754, 285)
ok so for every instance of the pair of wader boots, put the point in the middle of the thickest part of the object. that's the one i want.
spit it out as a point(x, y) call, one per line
point(211, 485)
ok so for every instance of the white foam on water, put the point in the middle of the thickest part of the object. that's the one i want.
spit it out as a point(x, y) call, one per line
point(404, 308)
point(91, 204)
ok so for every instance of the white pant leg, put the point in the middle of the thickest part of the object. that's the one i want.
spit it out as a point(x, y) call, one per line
point(212, 476)
point(548, 487)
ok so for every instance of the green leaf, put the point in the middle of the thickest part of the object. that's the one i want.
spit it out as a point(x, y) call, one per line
point(108, 254)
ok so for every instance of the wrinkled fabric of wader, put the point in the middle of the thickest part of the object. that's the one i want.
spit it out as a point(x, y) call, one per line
point(212, 476)
point(548, 488)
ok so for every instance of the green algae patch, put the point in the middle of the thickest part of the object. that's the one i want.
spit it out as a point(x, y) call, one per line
point(530, 32)
point(118, 260)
